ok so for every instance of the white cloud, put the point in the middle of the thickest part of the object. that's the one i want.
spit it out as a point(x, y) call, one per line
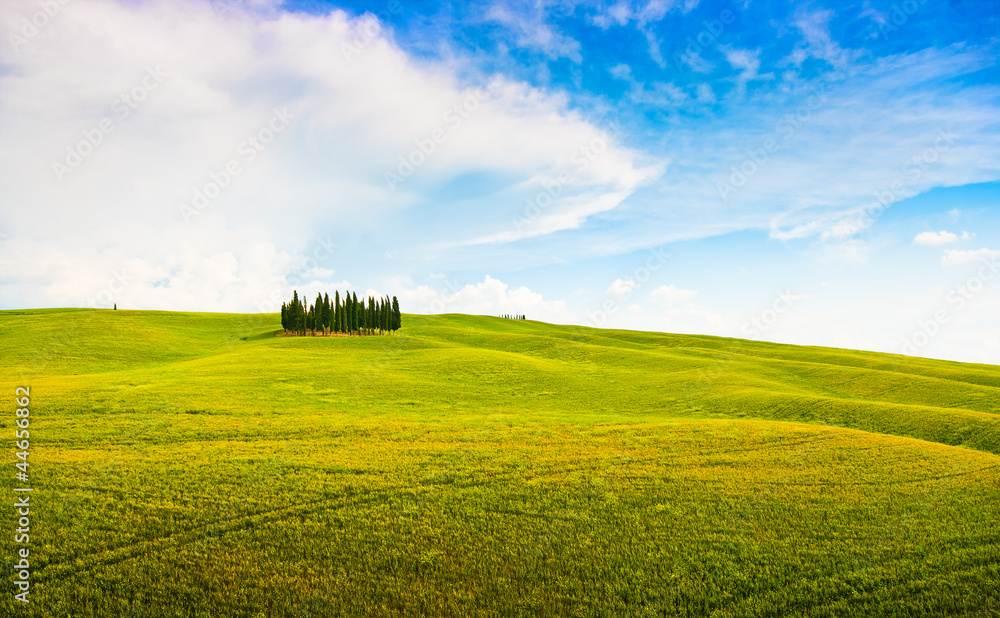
point(746, 60)
point(620, 289)
point(358, 105)
point(868, 162)
point(705, 93)
point(684, 319)
point(815, 28)
point(670, 294)
point(953, 257)
point(935, 238)
point(533, 32)
point(623, 13)
point(489, 297)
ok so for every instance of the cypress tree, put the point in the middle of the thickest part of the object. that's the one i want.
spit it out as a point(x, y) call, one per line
point(349, 324)
point(345, 326)
point(351, 314)
point(342, 325)
point(293, 312)
point(357, 314)
point(336, 311)
point(318, 314)
point(362, 318)
point(326, 314)
point(355, 317)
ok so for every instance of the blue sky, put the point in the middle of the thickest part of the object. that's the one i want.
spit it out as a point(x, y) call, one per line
point(811, 173)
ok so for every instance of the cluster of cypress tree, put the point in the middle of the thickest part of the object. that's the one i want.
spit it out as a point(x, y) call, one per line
point(510, 316)
point(350, 317)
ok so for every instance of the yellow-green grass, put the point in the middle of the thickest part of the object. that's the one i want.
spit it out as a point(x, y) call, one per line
point(197, 465)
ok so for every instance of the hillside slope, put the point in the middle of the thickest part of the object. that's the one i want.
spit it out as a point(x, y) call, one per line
point(479, 466)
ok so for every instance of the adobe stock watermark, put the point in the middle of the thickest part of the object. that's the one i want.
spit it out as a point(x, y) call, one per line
point(446, 296)
point(425, 147)
point(900, 14)
point(321, 253)
point(121, 108)
point(370, 26)
point(581, 159)
point(756, 326)
point(708, 36)
point(640, 276)
point(251, 323)
point(117, 284)
point(957, 298)
point(784, 129)
point(224, 7)
point(202, 197)
point(30, 27)
point(913, 169)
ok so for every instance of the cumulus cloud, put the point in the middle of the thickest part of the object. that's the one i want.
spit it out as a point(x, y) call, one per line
point(954, 257)
point(488, 297)
point(670, 294)
point(260, 130)
point(940, 238)
point(935, 238)
point(619, 289)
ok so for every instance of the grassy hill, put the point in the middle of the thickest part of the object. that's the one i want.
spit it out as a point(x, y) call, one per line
point(197, 465)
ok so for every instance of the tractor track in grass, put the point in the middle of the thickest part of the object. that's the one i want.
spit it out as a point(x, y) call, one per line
point(222, 526)
point(237, 523)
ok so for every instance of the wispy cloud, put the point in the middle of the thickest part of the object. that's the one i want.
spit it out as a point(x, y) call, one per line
point(818, 42)
point(644, 15)
point(532, 31)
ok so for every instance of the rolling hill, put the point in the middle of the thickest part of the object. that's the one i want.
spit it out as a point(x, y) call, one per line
point(191, 464)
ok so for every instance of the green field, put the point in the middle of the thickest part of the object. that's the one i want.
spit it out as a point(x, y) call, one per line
point(191, 464)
